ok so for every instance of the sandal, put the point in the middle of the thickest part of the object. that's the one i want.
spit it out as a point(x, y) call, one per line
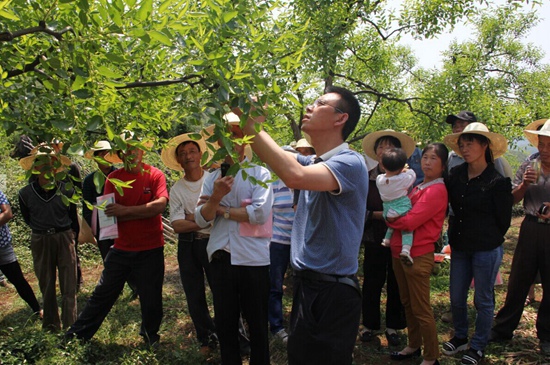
point(529, 301)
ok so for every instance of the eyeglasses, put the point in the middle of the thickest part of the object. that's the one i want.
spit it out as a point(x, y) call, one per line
point(321, 102)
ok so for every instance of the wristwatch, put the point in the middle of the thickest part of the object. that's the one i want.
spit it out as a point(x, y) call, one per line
point(226, 214)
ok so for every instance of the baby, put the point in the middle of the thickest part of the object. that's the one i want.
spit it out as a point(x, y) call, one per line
point(394, 186)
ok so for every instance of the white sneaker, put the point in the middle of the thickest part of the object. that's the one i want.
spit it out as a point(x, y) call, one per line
point(406, 258)
point(282, 336)
point(385, 242)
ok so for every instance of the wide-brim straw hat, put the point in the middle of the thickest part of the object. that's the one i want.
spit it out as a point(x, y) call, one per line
point(103, 146)
point(303, 143)
point(407, 143)
point(498, 143)
point(168, 154)
point(42, 150)
point(232, 119)
point(532, 134)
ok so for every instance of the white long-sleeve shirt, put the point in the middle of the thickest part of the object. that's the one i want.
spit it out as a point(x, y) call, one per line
point(224, 235)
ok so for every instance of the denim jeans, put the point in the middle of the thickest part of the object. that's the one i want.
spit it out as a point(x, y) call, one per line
point(482, 266)
point(280, 258)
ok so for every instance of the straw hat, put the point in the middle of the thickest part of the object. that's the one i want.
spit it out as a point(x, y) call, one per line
point(532, 134)
point(232, 119)
point(103, 146)
point(407, 143)
point(498, 144)
point(42, 150)
point(303, 143)
point(168, 154)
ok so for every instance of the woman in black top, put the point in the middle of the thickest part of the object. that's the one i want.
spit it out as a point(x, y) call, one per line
point(481, 200)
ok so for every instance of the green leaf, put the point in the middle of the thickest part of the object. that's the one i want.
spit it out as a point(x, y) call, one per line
point(94, 123)
point(64, 125)
point(107, 72)
point(162, 38)
point(115, 58)
point(7, 15)
point(99, 181)
point(145, 10)
point(83, 93)
point(229, 15)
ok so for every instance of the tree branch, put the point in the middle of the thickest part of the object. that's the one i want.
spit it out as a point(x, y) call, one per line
point(10, 36)
point(137, 84)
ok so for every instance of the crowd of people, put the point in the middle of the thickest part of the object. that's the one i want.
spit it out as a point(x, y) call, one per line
point(241, 231)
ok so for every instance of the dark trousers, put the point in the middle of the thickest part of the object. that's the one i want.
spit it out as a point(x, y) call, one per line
point(104, 247)
point(193, 266)
point(235, 289)
point(13, 273)
point(323, 322)
point(147, 269)
point(532, 255)
point(378, 270)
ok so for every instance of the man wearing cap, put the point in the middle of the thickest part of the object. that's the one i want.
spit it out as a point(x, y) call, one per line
point(239, 211)
point(101, 153)
point(327, 229)
point(184, 154)
point(53, 224)
point(532, 254)
point(137, 253)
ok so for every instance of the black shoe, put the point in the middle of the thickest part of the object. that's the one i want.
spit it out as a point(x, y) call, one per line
point(366, 335)
point(213, 341)
point(396, 355)
point(454, 346)
point(393, 338)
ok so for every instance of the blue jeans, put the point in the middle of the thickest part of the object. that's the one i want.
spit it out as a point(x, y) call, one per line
point(280, 258)
point(482, 266)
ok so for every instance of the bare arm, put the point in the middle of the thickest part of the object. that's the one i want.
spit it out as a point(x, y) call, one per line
point(6, 214)
point(313, 177)
point(212, 208)
point(528, 178)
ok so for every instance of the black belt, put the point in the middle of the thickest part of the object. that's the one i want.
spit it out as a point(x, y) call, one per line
point(53, 230)
point(193, 236)
point(220, 254)
point(350, 280)
point(532, 218)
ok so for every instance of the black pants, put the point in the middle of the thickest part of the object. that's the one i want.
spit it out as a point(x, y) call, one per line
point(146, 268)
point(235, 289)
point(13, 273)
point(532, 255)
point(378, 270)
point(194, 266)
point(323, 322)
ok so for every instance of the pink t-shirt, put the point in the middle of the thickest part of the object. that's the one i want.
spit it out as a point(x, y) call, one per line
point(139, 234)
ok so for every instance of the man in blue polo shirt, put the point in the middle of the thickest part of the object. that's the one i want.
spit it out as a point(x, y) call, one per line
point(327, 228)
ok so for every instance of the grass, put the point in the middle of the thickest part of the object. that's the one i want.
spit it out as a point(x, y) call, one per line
point(118, 341)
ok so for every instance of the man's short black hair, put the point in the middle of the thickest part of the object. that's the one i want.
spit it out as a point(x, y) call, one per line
point(348, 104)
point(184, 143)
point(394, 159)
